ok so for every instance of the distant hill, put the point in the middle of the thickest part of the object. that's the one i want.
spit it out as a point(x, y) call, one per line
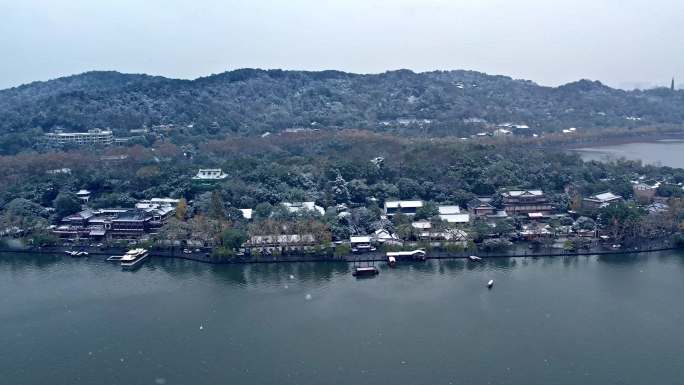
point(253, 101)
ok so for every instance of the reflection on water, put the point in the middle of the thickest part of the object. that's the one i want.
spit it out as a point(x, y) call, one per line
point(278, 273)
point(20, 261)
point(624, 259)
point(565, 320)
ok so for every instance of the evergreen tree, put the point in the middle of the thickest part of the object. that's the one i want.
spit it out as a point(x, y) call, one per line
point(66, 204)
point(216, 208)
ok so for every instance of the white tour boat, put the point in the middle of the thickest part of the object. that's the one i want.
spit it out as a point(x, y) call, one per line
point(132, 259)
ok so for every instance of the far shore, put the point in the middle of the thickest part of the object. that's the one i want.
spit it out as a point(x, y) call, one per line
point(603, 141)
point(618, 141)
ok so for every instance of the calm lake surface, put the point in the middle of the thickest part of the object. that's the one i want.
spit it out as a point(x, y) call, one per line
point(663, 152)
point(572, 320)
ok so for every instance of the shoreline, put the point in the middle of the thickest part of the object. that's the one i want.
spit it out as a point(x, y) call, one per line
point(361, 258)
point(608, 141)
point(618, 142)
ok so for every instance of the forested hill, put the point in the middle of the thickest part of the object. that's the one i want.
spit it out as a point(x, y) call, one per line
point(251, 101)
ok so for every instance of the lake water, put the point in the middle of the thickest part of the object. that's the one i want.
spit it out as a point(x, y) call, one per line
point(571, 320)
point(663, 152)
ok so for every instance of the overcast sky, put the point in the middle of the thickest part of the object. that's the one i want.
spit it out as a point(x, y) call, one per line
point(620, 42)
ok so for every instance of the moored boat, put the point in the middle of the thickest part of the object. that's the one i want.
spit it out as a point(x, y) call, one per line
point(391, 261)
point(490, 284)
point(414, 254)
point(474, 258)
point(132, 259)
point(77, 253)
point(366, 271)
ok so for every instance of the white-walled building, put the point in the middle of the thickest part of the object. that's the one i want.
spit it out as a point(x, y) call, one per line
point(91, 137)
point(209, 175)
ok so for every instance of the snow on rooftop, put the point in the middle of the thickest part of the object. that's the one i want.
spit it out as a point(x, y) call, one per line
point(607, 196)
point(171, 201)
point(405, 204)
point(210, 173)
point(517, 193)
point(422, 225)
point(382, 234)
point(449, 209)
point(360, 239)
point(455, 218)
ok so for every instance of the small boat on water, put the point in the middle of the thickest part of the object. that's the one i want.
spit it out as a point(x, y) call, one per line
point(391, 261)
point(490, 284)
point(474, 258)
point(77, 253)
point(366, 271)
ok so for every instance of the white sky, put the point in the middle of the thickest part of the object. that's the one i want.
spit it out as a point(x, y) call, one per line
point(620, 42)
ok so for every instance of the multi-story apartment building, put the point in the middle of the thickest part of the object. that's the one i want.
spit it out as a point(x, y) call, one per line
point(91, 137)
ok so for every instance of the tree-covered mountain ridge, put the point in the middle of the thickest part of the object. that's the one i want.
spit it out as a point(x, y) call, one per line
point(254, 101)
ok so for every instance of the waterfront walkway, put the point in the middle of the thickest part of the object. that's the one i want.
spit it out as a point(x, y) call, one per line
point(204, 255)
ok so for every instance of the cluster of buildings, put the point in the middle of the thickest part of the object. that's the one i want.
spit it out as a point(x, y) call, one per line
point(509, 129)
point(532, 203)
point(117, 223)
point(100, 137)
point(531, 208)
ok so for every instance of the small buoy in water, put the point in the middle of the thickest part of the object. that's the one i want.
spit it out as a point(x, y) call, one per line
point(490, 283)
